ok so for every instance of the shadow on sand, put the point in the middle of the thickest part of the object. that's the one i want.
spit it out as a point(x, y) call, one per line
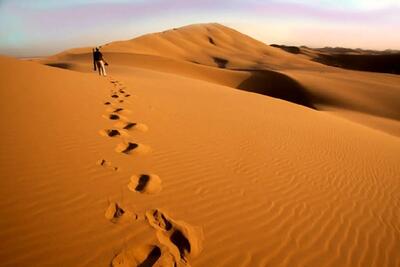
point(278, 85)
point(60, 65)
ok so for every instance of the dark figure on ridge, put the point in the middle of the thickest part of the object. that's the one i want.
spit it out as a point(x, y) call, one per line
point(99, 62)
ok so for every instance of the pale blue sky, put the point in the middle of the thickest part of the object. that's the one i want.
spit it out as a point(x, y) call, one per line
point(44, 27)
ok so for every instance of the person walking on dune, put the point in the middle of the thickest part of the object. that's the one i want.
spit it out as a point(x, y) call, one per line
point(99, 62)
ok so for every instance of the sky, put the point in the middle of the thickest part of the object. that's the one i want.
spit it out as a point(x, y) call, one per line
point(45, 27)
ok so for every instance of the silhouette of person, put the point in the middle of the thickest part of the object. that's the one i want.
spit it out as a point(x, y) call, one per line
point(99, 62)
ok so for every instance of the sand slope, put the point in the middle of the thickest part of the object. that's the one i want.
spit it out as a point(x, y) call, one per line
point(206, 44)
point(191, 51)
point(189, 170)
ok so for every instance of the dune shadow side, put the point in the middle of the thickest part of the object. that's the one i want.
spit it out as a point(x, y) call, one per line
point(278, 85)
point(373, 63)
point(60, 65)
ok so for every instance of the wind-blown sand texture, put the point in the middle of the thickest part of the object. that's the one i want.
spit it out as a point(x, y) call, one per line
point(203, 148)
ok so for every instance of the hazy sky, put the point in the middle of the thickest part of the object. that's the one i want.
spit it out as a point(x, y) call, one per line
point(43, 27)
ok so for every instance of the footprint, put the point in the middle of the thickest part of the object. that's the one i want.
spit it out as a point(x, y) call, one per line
point(144, 256)
point(182, 240)
point(118, 117)
point(142, 182)
point(121, 101)
point(114, 96)
point(132, 126)
point(114, 212)
point(145, 183)
point(117, 110)
point(107, 103)
point(129, 148)
point(114, 117)
point(129, 125)
point(121, 91)
point(177, 242)
point(112, 132)
point(127, 95)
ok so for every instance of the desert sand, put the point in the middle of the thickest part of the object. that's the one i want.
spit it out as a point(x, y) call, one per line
point(202, 147)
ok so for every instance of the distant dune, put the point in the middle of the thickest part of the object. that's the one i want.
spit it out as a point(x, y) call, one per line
point(203, 147)
point(386, 61)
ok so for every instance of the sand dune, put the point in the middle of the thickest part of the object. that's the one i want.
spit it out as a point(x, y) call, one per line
point(354, 59)
point(285, 162)
point(255, 67)
point(206, 44)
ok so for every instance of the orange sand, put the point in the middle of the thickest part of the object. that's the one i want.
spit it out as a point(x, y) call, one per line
point(297, 168)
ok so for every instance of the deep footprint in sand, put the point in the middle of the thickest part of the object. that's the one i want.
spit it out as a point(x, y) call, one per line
point(115, 109)
point(132, 126)
point(129, 148)
point(114, 212)
point(112, 132)
point(182, 240)
point(129, 125)
point(145, 183)
point(113, 117)
point(114, 96)
point(144, 256)
point(177, 243)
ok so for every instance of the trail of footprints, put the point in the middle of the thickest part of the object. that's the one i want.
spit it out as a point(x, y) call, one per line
point(177, 241)
point(115, 113)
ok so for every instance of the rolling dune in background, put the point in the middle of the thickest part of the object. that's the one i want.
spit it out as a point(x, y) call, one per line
point(248, 64)
point(203, 147)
